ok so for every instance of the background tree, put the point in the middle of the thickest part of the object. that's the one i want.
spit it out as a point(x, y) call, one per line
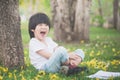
point(71, 20)
point(100, 12)
point(11, 51)
point(29, 7)
point(116, 16)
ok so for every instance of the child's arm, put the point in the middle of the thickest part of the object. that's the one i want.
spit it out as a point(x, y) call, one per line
point(44, 53)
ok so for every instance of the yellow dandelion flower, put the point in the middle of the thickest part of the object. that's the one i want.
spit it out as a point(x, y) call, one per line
point(42, 73)
point(104, 46)
point(97, 79)
point(115, 62)
point(36, 78)
point(113, 49)
point(91, 55)
point(5, 69)
point(82, 41)
point(10, 75)
point(104, 68)
point(23, 78)
point(98, 53)
point(1, 77)
point(53, 77)
point(15, 78)
point(15, 71)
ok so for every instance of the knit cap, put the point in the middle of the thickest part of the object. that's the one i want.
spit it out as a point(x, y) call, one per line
point(80, 53)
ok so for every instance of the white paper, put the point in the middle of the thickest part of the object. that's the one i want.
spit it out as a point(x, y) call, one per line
point(104, 75)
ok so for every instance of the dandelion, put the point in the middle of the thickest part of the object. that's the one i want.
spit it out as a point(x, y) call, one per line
point(23, 78)
point(115, 62)
point(98, 53)
point(82, 41)
point(15, 71)
point(15, 78)
point(53, 77)
point(10, 75)
point(92, 53)
point(5, 69)
point(1, 77)
point(36, 78)
point(104, 46)
point(113, 49)
point(41, 73)
point(97, 79)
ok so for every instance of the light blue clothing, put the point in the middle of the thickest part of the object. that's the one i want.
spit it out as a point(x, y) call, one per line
point(54, 63)
point(59, 56)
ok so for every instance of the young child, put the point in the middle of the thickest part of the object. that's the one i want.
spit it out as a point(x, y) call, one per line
point(44, 53)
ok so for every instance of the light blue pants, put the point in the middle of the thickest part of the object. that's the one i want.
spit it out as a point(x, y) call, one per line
point(59, 56)
point(54, 63)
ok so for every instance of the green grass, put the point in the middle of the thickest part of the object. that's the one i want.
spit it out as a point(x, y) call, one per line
point(101, 53)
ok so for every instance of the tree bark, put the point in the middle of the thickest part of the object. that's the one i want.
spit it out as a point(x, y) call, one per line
point(71, 20)
point(11, 50)
point(115, 13)
point(100, 12)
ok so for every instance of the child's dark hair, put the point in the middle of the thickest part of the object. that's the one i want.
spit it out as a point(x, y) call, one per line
point(36, 19)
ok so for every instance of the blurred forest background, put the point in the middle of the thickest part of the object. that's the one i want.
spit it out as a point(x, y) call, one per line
point(101, 11)
point(98, 13)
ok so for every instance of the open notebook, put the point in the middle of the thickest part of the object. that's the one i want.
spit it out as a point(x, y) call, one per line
point(104, 75)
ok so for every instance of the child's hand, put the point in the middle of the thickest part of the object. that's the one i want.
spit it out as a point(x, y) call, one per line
point(75, 62)
point(73, 56)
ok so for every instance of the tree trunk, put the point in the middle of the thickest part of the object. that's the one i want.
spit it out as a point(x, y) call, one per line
point(100, 12)
point(11, 51)
point(71, 20)
point(115, 13)
point(100, 8)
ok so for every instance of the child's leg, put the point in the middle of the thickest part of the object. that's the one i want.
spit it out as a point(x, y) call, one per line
point(59, 57)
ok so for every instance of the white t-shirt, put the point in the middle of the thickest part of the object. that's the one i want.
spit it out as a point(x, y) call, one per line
point(36, 60)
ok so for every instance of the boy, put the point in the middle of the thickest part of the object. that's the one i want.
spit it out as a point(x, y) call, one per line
point(44, 53)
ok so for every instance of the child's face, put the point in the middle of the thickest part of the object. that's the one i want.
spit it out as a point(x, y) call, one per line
point(41, 31)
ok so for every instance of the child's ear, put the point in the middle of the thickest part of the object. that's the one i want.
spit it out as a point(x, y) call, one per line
point(32, 30)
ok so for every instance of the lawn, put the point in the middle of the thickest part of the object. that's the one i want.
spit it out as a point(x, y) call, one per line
point(101, 53)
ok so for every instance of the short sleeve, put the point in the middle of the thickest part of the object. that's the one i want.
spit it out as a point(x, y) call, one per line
point(36, 45)
point(51, 42)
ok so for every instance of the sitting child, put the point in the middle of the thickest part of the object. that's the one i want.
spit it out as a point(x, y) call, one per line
point(44, 53)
